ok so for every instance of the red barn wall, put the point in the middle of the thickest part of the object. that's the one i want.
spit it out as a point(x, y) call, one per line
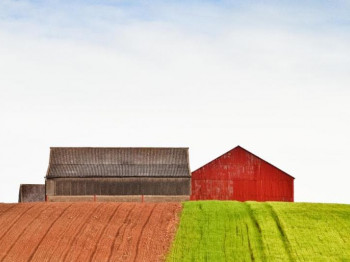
point(240, 175)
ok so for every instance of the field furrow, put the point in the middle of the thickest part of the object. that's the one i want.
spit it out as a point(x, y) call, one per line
point(60, 209)
point(9, 219)
point(13, 233)
point(85, 242)
point(58, 238)
point(6, 207)
point(252, 231)
point(33, 232)
point(149, 233)
point(105, 247)
point(119, 236)
point(282, 233)
point(87, 231)
point(140, 235)
point(127, 240)
point(208, 231)
point(216, 231)
point(76, 231)
point(273, 244)
point(103, 232)
point(319, 232)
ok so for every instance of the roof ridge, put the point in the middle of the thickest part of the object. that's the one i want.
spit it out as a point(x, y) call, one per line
point(83, 147)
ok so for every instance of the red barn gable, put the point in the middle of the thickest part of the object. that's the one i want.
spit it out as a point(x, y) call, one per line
point(241, 175)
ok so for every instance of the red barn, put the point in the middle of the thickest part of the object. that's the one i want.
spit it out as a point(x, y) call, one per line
point(241, 175)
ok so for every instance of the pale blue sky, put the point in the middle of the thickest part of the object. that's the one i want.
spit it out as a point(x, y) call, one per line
point(202, 16)
point(271, 76)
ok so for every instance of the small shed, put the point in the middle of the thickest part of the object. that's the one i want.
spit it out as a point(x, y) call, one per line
point(118, 171)
point(241, 175)
point(31, 193)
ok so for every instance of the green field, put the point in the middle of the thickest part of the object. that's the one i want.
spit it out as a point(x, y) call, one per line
point(270, 231)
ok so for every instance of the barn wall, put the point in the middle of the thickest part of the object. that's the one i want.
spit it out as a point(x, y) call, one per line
point(240, 175)
point(31, 193)
point(119, 198)
point(118, 186)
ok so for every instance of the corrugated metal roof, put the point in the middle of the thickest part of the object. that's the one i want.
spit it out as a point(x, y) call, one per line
point(118, 162)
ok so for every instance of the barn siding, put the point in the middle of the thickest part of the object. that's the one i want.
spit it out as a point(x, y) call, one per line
point(121, 186)
point(124, 198)
point(240, 175)
point(31, 193)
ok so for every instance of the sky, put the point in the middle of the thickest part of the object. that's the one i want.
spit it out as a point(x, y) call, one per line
point(270, 76)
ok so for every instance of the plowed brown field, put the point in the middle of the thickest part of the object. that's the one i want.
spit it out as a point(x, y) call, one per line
point(87, 231)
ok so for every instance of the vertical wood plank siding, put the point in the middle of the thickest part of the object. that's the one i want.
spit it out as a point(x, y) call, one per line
point(122, 186)
point(240, 175)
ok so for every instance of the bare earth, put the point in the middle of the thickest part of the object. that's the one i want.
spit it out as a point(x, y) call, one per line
point(87, 231)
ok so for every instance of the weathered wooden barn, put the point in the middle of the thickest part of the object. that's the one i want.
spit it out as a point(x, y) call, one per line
point(241, 175)
point(31, 193)
point(118, 172)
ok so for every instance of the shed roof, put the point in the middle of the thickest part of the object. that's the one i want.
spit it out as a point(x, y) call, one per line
point(71, 162)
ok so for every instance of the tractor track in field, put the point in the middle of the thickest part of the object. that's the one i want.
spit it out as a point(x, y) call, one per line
point(142, 230)
point(87, 231)
point(5, 208)
point(103, 232)
point(283, 234)
point(129, 239)
point(81, 229)
point(250, 245)
point(64, 225)
point(124, 225)
point(14, 222)
point(258, 228)
point(47, 231)
point(21, 233)
point(33, 231)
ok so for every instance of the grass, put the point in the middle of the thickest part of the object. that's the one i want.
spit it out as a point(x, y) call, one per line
point(271, 231)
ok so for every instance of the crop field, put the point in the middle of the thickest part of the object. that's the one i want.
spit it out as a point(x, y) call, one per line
point(271, 231)
point(87, 231)
point(207, 231)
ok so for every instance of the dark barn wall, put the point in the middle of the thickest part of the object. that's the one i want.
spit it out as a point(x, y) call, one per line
point(119, 186)
point(31, 193)
point(123, 198)
point(240, 175)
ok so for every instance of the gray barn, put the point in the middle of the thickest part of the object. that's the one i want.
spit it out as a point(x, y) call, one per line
point(118, 171)
point(31, 193)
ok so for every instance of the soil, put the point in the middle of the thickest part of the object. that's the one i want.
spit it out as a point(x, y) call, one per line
point(87, 231)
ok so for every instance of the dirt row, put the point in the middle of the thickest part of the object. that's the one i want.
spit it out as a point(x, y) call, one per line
point(87, 231)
